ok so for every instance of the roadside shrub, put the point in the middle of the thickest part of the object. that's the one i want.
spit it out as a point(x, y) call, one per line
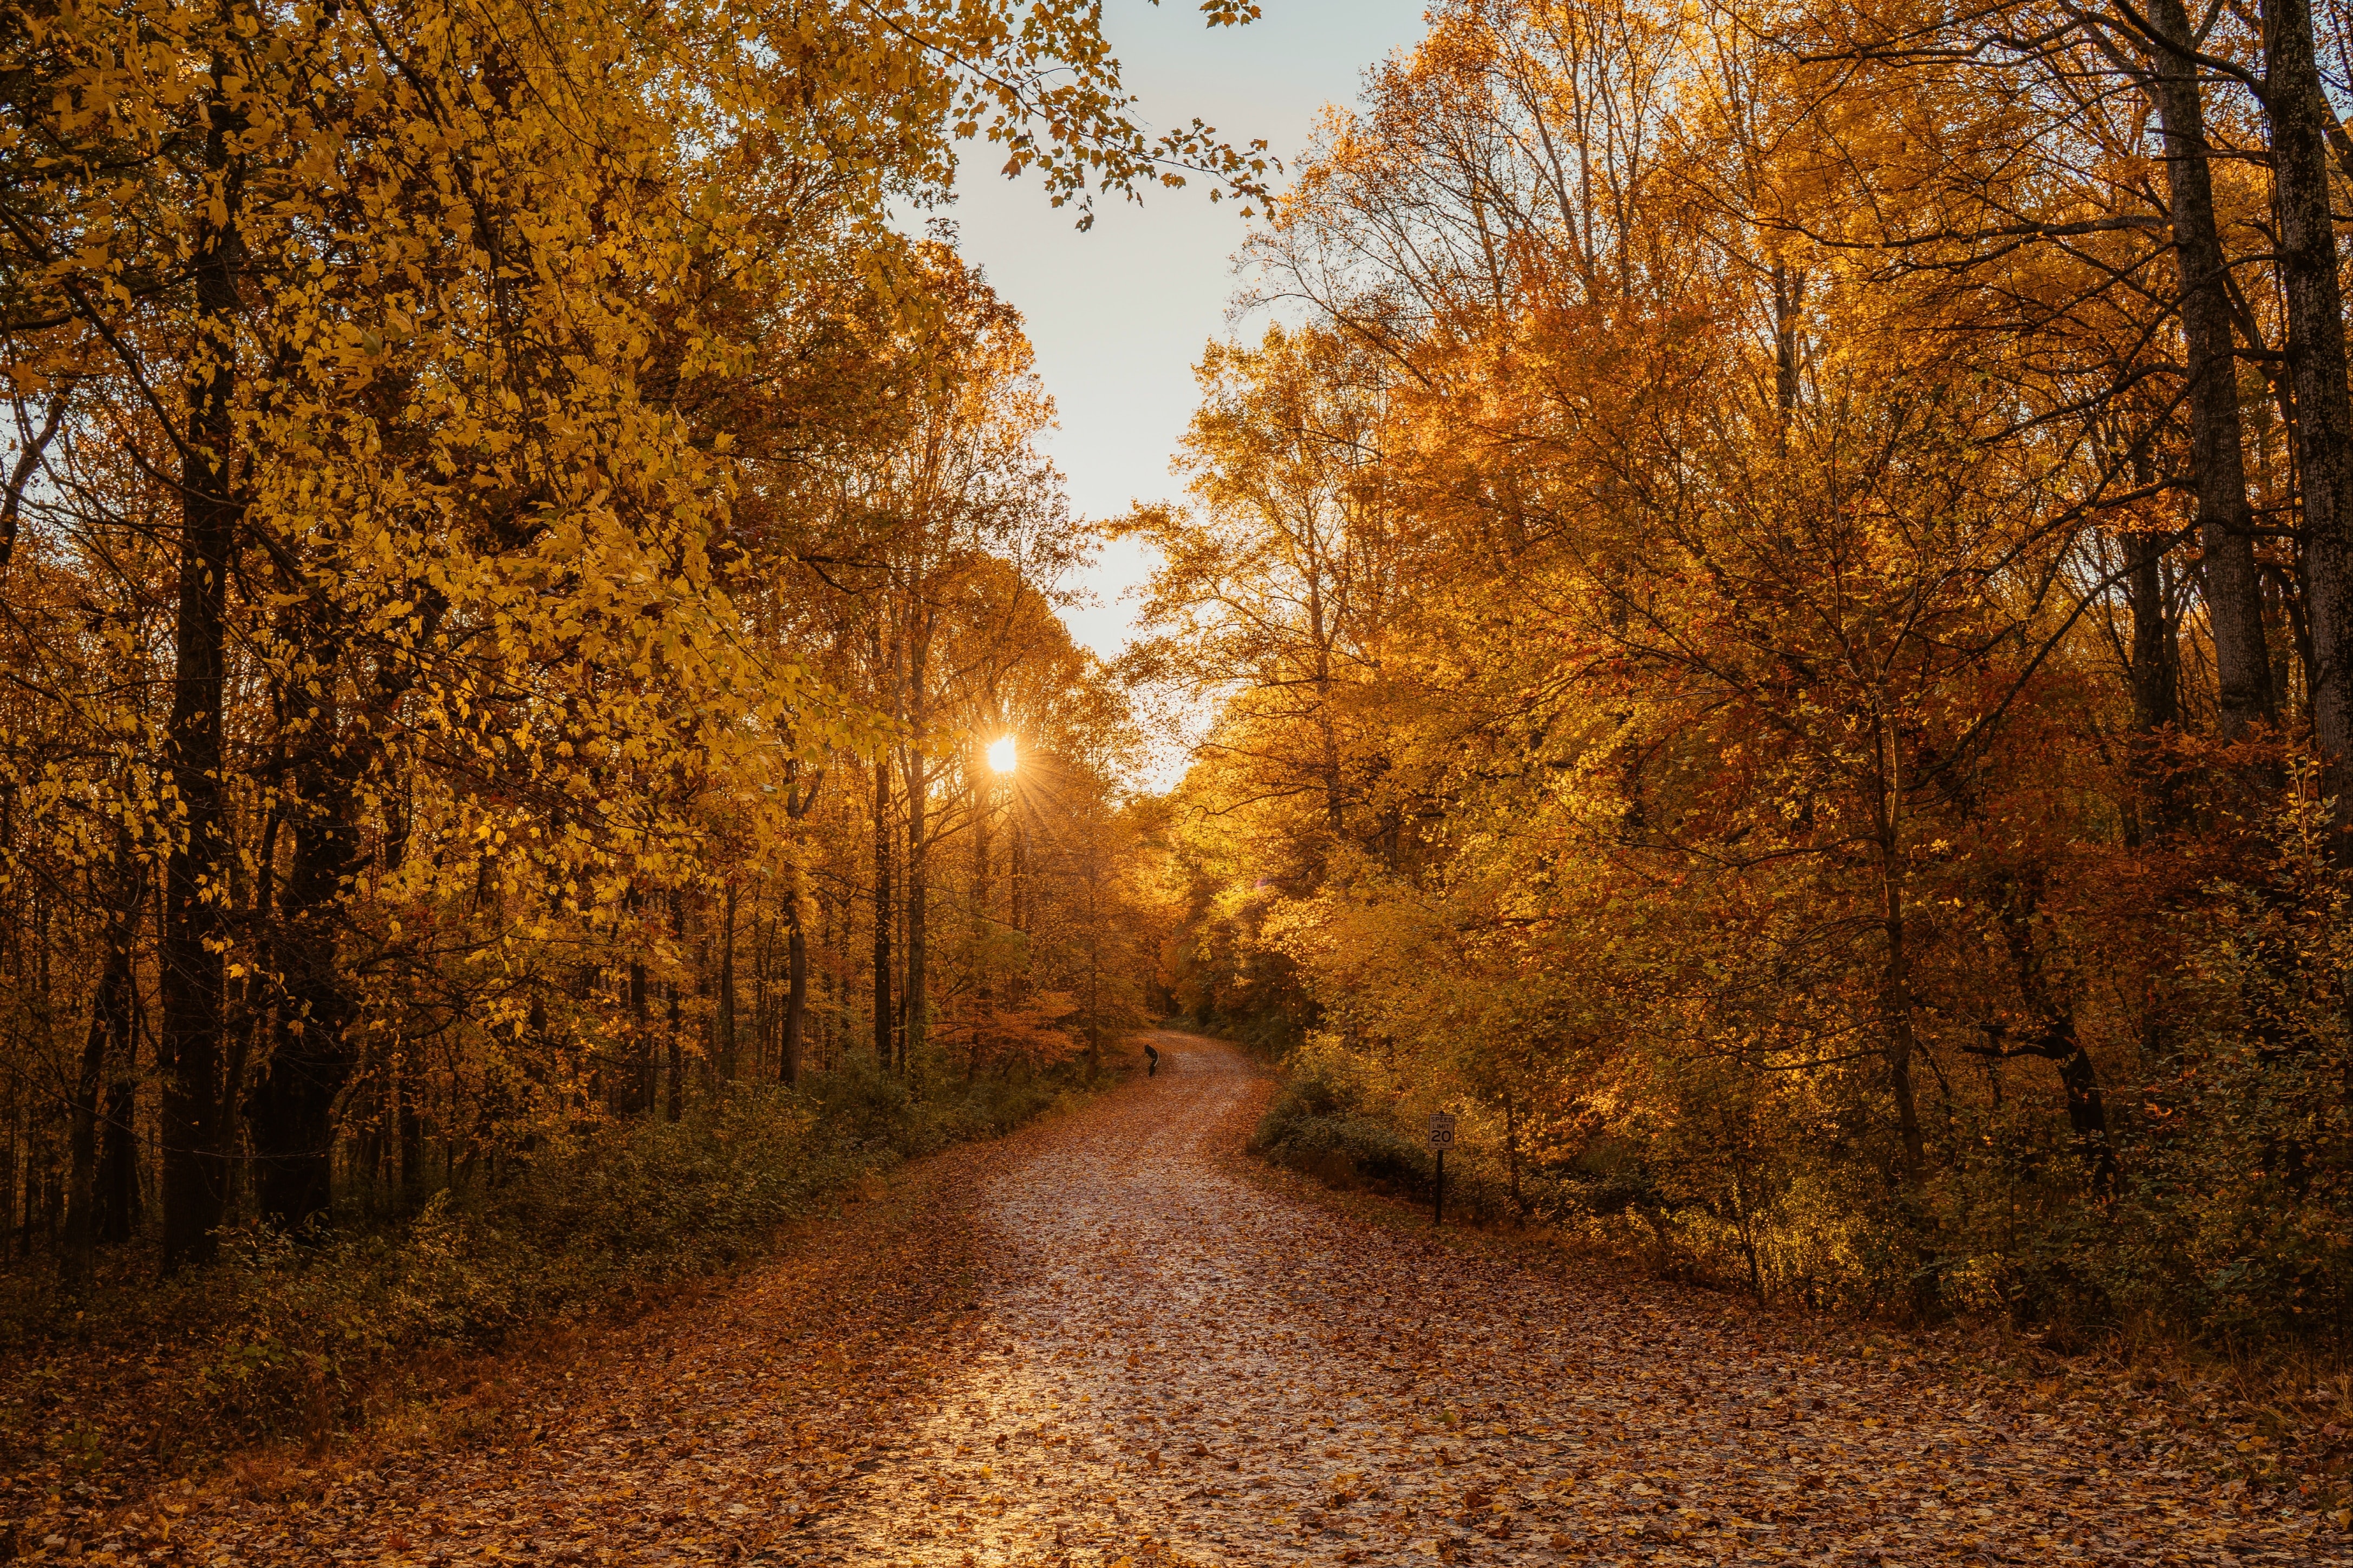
point(286, 1336)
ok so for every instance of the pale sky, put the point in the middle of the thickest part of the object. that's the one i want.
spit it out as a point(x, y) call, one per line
point(1119, 314)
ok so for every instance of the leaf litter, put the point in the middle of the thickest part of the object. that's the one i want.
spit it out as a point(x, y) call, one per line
point(1098, 1344)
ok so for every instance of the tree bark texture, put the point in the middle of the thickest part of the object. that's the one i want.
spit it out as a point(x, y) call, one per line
point(2297, 114)
point(2234, 590)
point(193, 986)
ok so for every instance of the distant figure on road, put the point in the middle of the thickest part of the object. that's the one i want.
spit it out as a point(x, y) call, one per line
point(1152, 1067)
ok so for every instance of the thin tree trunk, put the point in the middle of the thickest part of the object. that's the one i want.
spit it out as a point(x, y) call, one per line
point(674, 1057)
point(118, 1161)
point(1512, 1152)
point(796, 983)
point(761, 938)
point(638, 1074)
point(1895, 976)
point(883, 912)
point(798, 799)
point(982, 999)
point(832, 1021)
point(2155, 658)
point(410, 1120)
point(918, 948)
point(917, 1000)
point(107, 1044)
point(726, 1023)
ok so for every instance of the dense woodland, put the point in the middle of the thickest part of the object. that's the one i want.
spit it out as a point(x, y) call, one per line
point(1779, 582)
point(517, 543)
point(1769, 590)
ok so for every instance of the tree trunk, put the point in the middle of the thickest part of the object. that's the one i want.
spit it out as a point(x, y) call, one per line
point(830, 1023)
point(118, 1159)
point(763, 935)
point(410, 1117)
point(106, 1045)
point(981, 998)
point(918, 953)
point(194, 971)
point(2296, 109)
point(726, 1020)
point(2056, 1039)
point(883, 912)
point(1512, 1152)
point(1895, 975)
point(673, 1053)
point(636, 1074)
point(1901, 1042)
point(796, 981)
point(2155, 658)
point(2234, 590)
point(293, 1108)
point(917, 1000)
point(1788, 316)
point(1018, 871)
point(2156, 685)
point(673, 1056)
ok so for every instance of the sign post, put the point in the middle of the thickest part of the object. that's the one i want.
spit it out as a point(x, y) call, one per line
point(1442, 1139)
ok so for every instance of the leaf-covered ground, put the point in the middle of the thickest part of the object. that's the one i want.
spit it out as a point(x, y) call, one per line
point(1097, 1342)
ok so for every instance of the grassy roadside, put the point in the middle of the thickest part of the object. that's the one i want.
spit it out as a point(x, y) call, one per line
point(281, 1360)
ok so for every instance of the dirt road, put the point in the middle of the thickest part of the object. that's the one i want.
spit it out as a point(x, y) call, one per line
point(1177, 1364)
point(1166, 1362)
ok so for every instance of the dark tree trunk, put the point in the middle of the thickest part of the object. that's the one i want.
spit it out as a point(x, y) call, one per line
point(883, 912)
point(674, 1053)
point(982, 999)
point(193, 1112)
point(917, 993)
point(1512, 1154)
point(118, 1158)
point(107, 1045)
point(725, 1025)
point(1018, 871)
point(291, 1111)
point(2087, 1109)
point(636, 1079)
point(796, 975)
point(673, 1057)
point(2233, 589)
point(2156, 686)
point(2055, 1038)
point(917, 1000)
point(2297, 112)
point(411, 1118)
point(2156, 656)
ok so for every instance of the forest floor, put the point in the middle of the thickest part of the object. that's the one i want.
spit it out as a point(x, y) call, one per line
point(1105, 1340)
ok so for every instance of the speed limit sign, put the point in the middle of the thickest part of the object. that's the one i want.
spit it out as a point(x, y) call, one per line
point(1441, 1138)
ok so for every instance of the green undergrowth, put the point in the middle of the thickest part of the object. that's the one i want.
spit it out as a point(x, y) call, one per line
point(126, 1374)
point(1319, 1124)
